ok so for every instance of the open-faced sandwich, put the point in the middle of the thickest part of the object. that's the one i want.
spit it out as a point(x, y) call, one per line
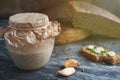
point(96, 53)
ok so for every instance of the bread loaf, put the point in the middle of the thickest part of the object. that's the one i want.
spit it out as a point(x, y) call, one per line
point(70, 34)
point(61, 10)
point(92, 18)
point(64, 14)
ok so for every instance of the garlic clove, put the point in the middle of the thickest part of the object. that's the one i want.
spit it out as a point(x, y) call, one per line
point(71, 63)
point(67, 71)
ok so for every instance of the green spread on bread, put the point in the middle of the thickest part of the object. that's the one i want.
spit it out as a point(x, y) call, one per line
point(100, 50)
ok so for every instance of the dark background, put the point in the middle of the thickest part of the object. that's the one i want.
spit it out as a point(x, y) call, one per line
point(9, 7)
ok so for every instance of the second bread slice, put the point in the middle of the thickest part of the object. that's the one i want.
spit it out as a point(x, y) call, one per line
point(70, 34)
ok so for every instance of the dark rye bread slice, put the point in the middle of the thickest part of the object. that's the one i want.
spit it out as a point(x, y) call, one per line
point(111, 59)
point(101, 58)
point(87, 53)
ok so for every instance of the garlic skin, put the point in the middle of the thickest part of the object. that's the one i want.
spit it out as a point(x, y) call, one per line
point(67, 71)
point(71, 63)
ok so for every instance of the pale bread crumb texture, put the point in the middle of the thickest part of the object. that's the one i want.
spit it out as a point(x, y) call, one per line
point(92, 18)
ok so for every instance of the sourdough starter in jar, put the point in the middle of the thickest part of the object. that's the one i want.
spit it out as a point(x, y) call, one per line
point(30, 40)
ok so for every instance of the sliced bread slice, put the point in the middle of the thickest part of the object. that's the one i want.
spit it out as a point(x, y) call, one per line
point(92, 18)
point(99, 54)
point(70, 34)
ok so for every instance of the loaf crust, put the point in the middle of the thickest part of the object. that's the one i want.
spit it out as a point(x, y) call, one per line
point(70, 34)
